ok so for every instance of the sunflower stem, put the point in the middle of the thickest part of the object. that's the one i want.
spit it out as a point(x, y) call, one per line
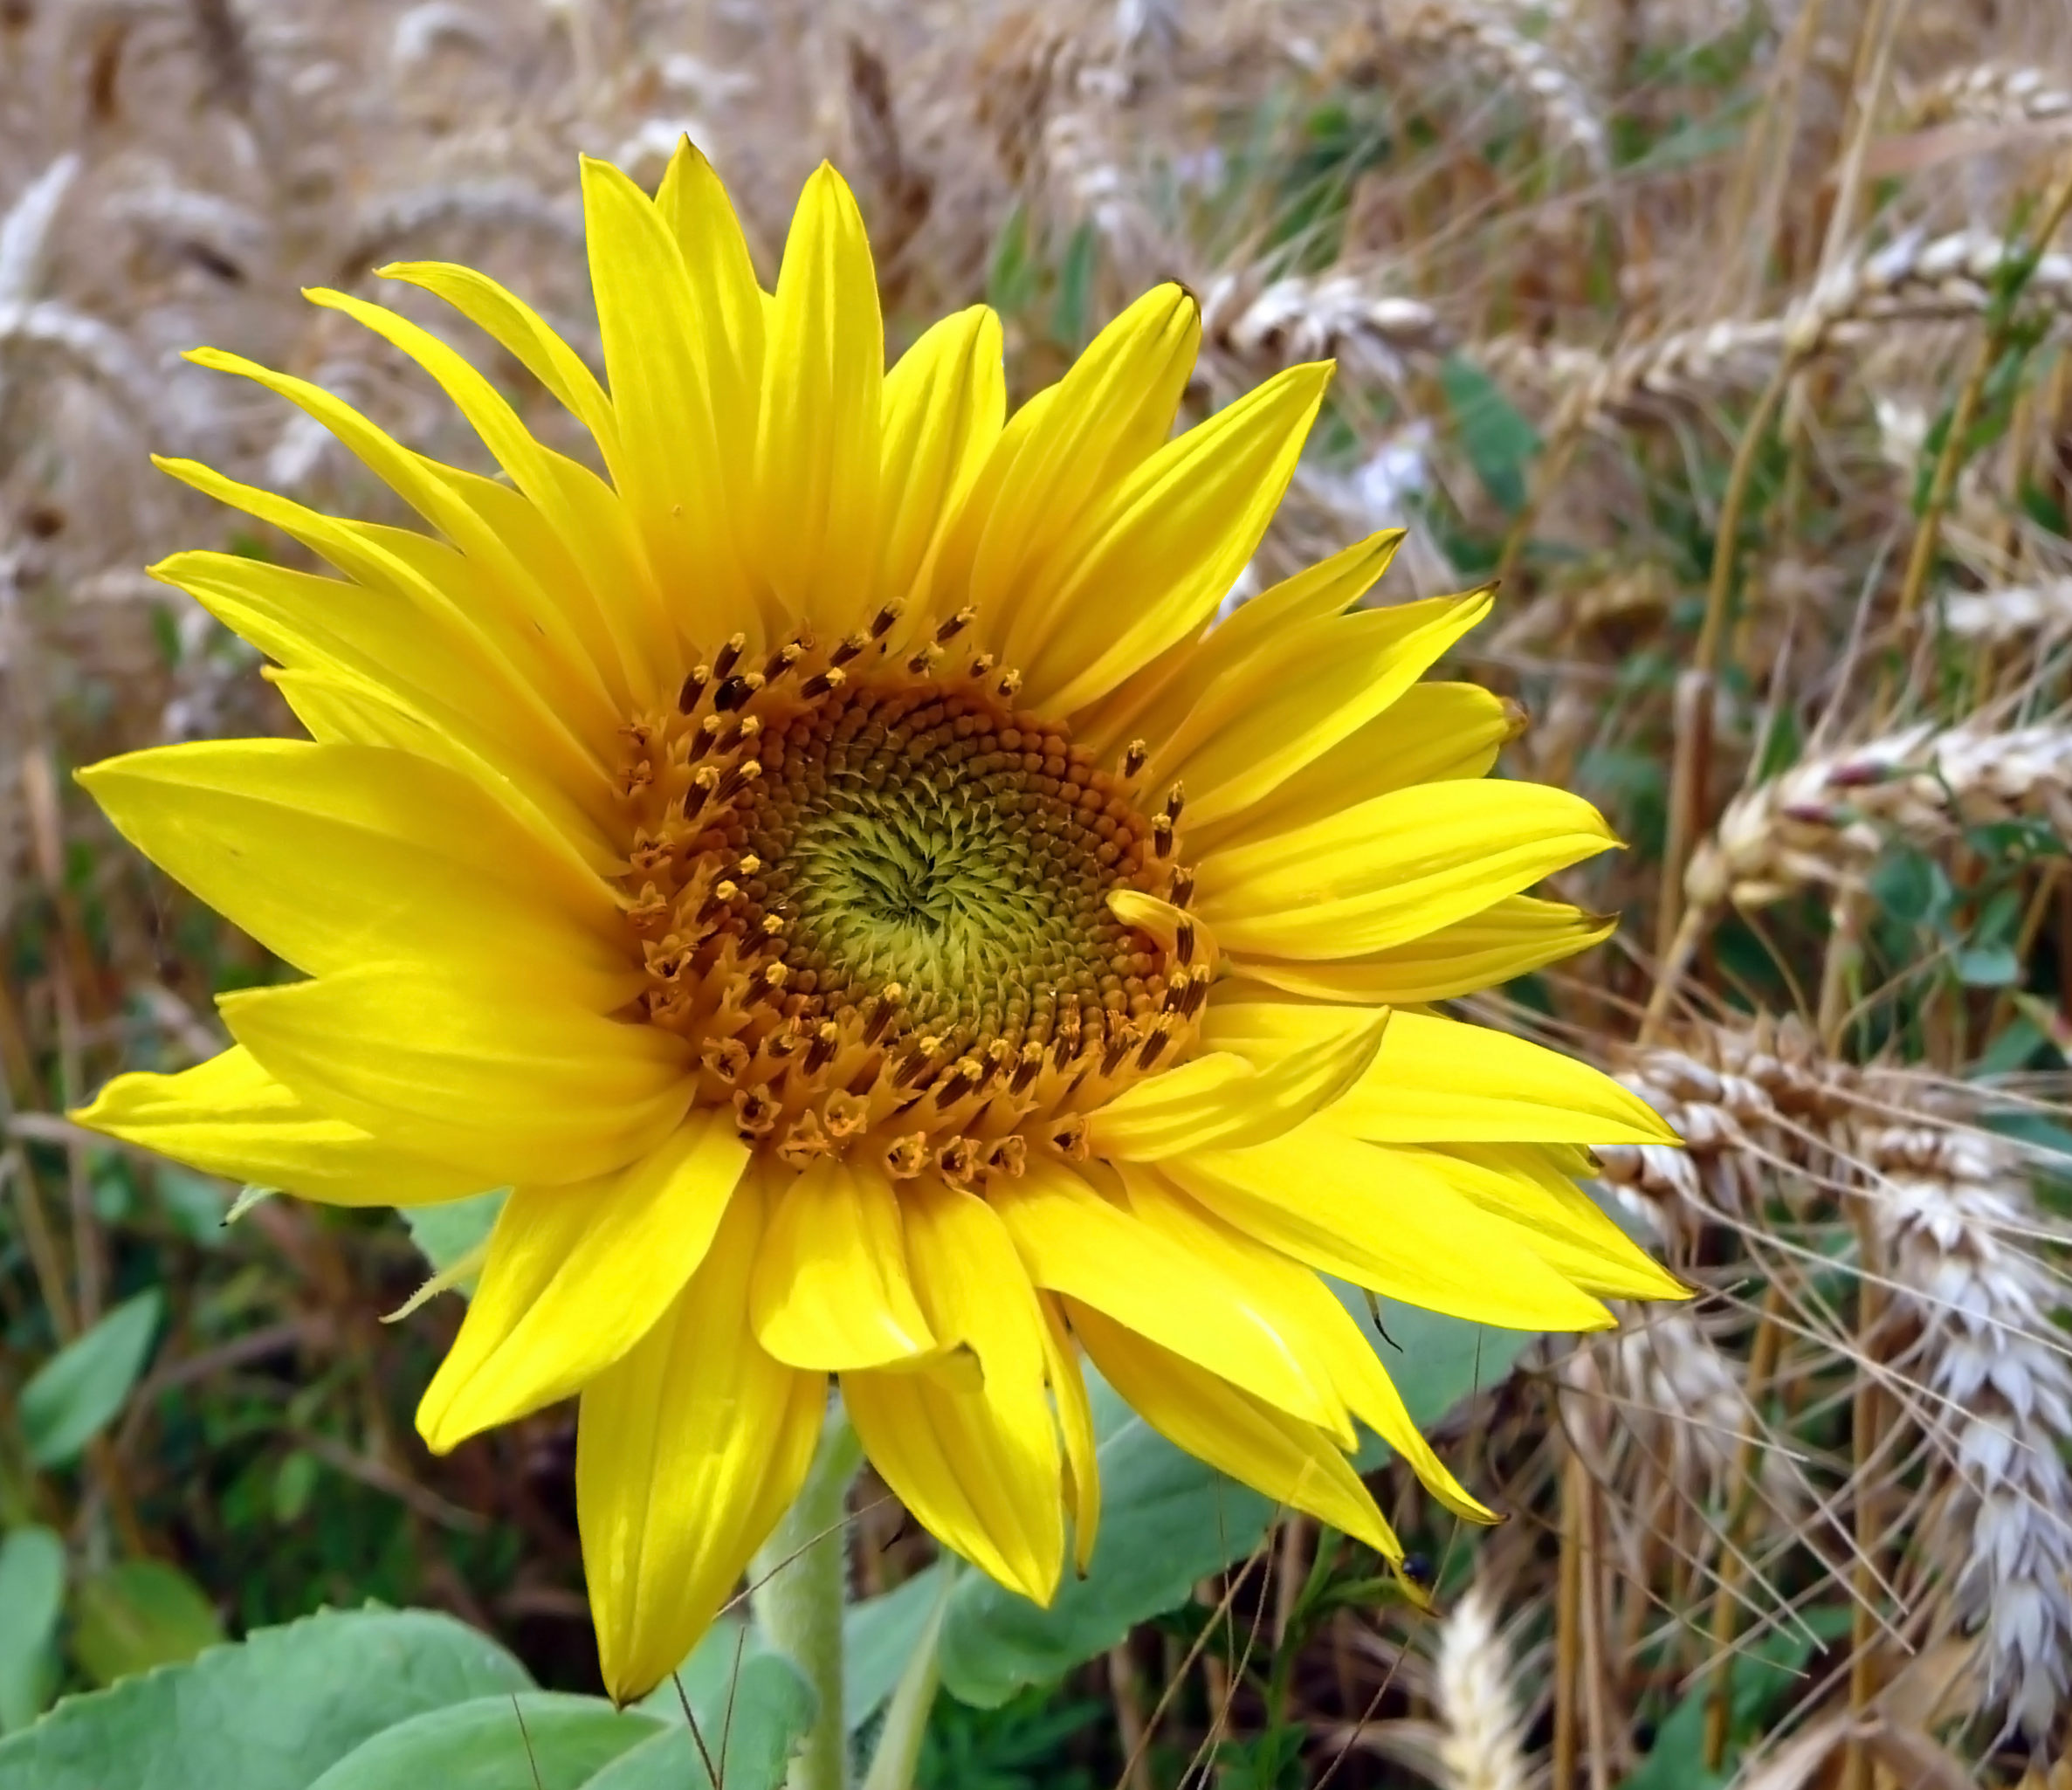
point(800, 1580)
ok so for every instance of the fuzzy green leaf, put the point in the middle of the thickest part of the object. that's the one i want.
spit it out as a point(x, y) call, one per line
point(541, 1738)
point(753, 1708)
point(271, 1713)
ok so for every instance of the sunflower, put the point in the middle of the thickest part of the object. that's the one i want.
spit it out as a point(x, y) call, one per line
point(830, 867)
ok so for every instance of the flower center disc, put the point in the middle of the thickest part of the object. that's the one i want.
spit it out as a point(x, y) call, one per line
point(931, 839)
point(875, 899)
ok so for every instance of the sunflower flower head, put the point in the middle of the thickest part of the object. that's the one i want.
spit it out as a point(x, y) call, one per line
point(822, 860)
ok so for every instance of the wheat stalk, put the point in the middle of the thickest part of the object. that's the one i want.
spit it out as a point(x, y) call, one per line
point(2013, 612)
point(1148, 28)
point(1084, 162)
point(1481, 1746)
point(1992, 93)
point(1918, 277)
point(1915, 279)
point(26, 230)
point(1826, 820)
point(89, 344)
point(1611, 594)
point(1279, 323)
point(1668, 1368)
point(500, 204)
point(1743, 1100)
point(1961, 1248)
point(219, 35)
point(420, 33)
point(1054, 100)
point(203, 226)
point(1957, 1222)
point(1497, 48)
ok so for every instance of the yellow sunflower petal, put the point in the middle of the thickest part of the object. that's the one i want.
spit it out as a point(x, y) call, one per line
point(678, 392)
point(1384, 1221)
point(1293, 1462)
point(579, 538)
point(832, 1288)
point(331, 856)
point(401, 631)
point(1307, 1308)
point(340, 707)
point(1392, 869)
point(1062, 455)
point(1219, 1102)
point(1171, 928)
point(976, 1295)
point(1151, 702)
point(944, 403)
point(1443, 1081)
point(692, 202)
point(1279, 1288)
point(1149, 565)
point(1520, 1184)
point(954, 1456)
point(557, 658)
point(1076, 1244)
point(1433, 733)
point(437, 575)
point(817, 453)
point(576, 1275)
point(516, 328)
point(1509, 937)
point(228, 1116)
point(1075, 1421)
point(1299, 696)
point(516, 1089)
point(688, 1450)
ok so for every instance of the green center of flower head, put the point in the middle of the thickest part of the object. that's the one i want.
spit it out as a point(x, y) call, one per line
point(924, 838)
point(880, 902)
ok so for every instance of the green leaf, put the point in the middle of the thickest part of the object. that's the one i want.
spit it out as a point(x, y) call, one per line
point(1271, 1760)
point(1697, 140)
point(1026, 1744)
point(447, 1231)
point(1499, 442)
point(1167, 1520)
point(2010, 1048)
point(1988, 966)
point(751, 1719)
point(270, 1714)
point(1074, 286)
point(32, 1599)
point(2037, 1133)
point(139, 1614)
point(545, 1737)
point(1910, 887)
point(878, 1637)
point(1011, 275)
point(294, 1484)
point(76, 1393)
